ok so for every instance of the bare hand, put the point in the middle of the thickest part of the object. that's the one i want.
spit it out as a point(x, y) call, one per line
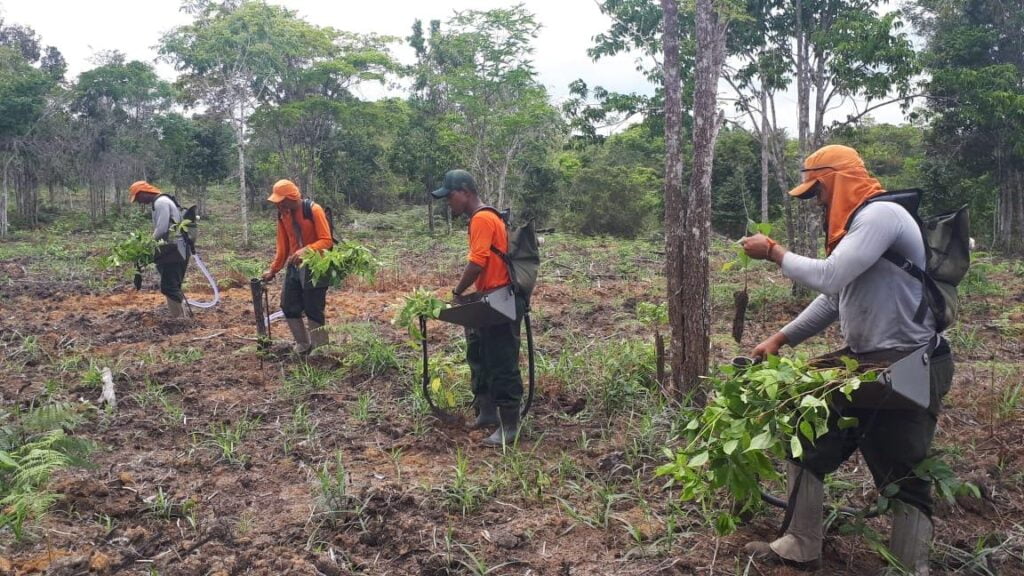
point(296, 259)
point(757, 246)
point(770, 347)
point(268, 276)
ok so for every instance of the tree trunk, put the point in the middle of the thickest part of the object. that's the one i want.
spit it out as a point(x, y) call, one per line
point(430, 213)
point(804, 240)
point(243, 197)
point(696, 302)
point(764, 154)
point(4, 199)
point(674, 269)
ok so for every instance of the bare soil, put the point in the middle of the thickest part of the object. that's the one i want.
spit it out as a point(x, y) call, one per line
point(260, 512)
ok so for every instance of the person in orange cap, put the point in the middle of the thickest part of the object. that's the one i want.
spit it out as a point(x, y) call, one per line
point(883, 318)
point(302, 226)
point(173, 253)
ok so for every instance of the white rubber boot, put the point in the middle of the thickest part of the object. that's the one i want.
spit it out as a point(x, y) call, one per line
point(175, 309)
point(801, 544)
point(318, 336)
point(911, 538)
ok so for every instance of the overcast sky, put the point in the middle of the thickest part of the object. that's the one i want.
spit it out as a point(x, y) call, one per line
point(82, 28)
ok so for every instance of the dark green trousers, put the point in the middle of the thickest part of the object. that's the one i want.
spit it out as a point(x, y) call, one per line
point(172, 275)
point(892, 442)
point(492, 353)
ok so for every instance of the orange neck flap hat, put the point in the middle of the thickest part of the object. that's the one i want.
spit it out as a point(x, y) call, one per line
point(284, 190)
point(840, 170)
point(142, 186)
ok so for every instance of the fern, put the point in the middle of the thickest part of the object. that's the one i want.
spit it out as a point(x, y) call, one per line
point(33, 447)
point(59, 415)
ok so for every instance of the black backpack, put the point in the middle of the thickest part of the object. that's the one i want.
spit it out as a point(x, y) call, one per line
point(188, 225)
point(307, 213)
point(523, 257)
point(947, 253)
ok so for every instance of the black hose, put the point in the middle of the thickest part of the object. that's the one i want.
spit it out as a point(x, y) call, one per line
point(426, 371)
point(529, 355)
point(869, 512)
point(440, 413)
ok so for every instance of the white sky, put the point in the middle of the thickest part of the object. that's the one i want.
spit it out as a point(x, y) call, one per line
point(82, 28)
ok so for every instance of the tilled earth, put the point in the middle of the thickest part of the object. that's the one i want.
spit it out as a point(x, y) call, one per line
point(164, 496)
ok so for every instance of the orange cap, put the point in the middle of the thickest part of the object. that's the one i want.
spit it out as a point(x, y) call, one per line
point(142, 186)
point(284, 190)
point(835, 157)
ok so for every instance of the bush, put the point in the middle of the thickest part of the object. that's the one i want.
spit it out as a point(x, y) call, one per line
point(613, 200)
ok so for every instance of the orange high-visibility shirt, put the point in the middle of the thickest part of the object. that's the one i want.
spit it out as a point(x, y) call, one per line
point(316, 235)
point(486, 229)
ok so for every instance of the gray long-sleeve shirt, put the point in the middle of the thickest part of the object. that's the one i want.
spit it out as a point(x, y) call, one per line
point(165, 213)
point(873, 299)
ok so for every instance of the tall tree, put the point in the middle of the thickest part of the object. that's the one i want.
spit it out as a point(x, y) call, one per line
point(23, 90)
point(233, 56)
point(975, 61)
point(711, 28)
point(118, 103)
point(195, 153)
point(495, 106)
point(675, 269)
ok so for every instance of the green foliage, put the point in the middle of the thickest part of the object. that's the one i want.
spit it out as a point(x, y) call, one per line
point(757, 415)
point(34, 445)
point(652, 314)
point(462, 494)
point(367, 353)
point(137, 250)
point(421, 302)
point(333, 498)
point(344, 260)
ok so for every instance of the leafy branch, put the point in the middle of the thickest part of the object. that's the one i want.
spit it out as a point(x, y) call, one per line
point(346, 259)
point(421, 302)
point(757, 415)
point(137, 250)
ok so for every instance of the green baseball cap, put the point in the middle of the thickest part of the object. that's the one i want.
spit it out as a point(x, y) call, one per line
point(455, 180)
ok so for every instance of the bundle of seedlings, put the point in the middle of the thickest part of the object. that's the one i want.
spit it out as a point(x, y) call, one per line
point(138, 250)
point(421, 303)
point(756, 416)
point(344, 260)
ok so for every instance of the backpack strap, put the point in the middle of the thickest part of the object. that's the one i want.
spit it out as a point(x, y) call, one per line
point(927, 284)
point(504, 257)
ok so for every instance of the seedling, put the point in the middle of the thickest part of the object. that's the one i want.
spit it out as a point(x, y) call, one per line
point(743, 262)
point(757, 414)
point(344, 260)
point(421, 302)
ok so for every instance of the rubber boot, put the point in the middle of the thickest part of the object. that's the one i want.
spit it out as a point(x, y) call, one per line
point(911, 538)
point(508, 427)
point(486, 412)
point(800, 546)
point(318, 335)
point(298, 328)
point(174, 308)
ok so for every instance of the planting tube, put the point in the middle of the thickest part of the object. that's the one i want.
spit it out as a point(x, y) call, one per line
point(213, 284)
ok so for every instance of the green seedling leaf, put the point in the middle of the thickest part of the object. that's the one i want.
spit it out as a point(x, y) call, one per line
point(795, 447)
point(846, 422)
